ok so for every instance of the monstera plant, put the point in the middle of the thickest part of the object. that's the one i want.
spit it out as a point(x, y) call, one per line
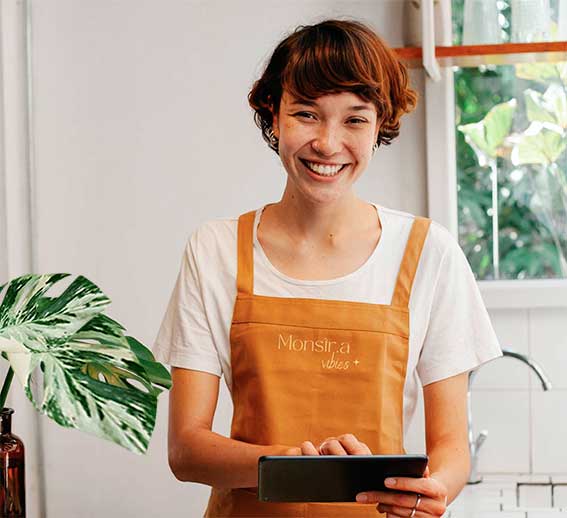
point(75, 363)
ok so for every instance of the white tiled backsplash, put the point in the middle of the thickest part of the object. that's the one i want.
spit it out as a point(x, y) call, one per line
point(527, 427)
point(510, 496)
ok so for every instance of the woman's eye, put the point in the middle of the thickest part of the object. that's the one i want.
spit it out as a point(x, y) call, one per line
point(304, 114)
point(307, 115)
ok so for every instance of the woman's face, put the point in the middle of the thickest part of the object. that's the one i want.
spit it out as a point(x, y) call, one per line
point(326, 144)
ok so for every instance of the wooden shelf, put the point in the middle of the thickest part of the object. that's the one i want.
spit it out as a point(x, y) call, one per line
point(500, 54)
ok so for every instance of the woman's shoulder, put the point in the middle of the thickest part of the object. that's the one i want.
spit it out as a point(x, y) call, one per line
point(213, 234)
point(438, 241)
point(216, 227)
point(215, 238)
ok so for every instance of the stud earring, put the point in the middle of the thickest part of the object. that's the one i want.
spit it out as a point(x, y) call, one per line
point(374, 147)
point(274, 141)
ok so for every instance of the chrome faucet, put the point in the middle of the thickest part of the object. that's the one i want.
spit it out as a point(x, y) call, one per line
point(475, 444)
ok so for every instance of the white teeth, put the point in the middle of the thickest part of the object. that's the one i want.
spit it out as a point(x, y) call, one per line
point(324, 170)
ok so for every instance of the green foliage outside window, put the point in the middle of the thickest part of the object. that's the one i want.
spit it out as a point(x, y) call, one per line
point(511, 121)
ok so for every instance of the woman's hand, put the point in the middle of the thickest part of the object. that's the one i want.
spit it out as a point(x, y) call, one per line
point(346, 444)
point(306, 448)
point(426, 495)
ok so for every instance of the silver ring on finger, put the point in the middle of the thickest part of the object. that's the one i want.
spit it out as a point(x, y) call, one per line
point(417, 502)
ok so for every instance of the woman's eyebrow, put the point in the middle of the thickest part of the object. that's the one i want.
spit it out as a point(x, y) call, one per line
point(305, 102)
point(360, 107)
point(356, 108)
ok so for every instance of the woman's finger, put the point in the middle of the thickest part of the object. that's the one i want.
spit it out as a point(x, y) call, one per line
point(332, 447)
point(353, 446)
point(366, 449)
point(392, 510)
point(405, 501)
point(293, 451)
point(307, 448)
point(425, 486)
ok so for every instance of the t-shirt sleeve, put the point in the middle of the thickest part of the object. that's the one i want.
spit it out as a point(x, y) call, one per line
point(184, 338)
point(459, 335)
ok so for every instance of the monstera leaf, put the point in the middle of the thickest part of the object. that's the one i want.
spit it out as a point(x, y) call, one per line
point(550, 106)
point(75, 364)
point(543, 72)
point(541, 143)
point(487, 135)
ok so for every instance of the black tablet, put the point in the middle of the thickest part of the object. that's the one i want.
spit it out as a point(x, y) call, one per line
point(331, 478)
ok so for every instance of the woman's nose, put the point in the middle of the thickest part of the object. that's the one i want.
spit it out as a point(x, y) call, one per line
point(328, 141)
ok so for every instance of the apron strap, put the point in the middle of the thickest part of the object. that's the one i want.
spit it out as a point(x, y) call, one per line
point(245, 272)
point(409, 263)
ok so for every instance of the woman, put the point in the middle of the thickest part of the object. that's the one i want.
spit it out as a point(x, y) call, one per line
point(306, 305)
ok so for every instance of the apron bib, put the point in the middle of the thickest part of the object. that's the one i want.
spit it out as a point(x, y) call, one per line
point(308, 369)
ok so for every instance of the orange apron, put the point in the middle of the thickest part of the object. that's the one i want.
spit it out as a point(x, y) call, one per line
point(308, 369)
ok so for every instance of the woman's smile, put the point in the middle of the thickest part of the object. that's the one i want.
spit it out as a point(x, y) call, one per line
point(323, 172)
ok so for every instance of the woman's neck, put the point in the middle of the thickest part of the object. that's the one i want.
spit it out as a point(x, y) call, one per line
point(322, 223)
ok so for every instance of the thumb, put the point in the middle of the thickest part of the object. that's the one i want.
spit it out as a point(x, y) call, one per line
point(426, 472)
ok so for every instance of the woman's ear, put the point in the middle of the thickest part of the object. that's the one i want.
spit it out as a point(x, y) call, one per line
point(377, 130)
point(275, 122)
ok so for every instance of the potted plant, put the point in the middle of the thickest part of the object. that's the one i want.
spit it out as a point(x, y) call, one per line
point(76, 366)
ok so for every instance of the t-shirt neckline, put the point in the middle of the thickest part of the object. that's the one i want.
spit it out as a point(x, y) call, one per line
point(322, 282)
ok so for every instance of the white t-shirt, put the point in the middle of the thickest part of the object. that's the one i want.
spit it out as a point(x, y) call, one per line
point(450, 331)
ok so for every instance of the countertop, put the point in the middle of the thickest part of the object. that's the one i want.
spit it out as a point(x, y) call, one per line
point(512, 496)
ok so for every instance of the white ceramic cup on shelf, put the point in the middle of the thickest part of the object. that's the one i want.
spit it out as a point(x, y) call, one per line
point(531, 21)
point(480, 22)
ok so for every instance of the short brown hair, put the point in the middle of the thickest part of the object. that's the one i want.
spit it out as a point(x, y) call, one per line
point(334, 56)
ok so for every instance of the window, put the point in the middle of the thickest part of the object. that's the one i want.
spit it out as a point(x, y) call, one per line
point(511, 154)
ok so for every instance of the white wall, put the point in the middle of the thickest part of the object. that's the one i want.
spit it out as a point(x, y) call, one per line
point(142, 131)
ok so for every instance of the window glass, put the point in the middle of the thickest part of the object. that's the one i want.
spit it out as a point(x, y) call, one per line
point(511, 135)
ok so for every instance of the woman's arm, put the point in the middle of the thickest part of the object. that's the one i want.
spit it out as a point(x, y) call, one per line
point(446, 432)
point(196, 454)
point(447, 447)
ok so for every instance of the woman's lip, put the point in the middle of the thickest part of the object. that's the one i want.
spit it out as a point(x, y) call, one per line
point(322, 163)
point(321, 178)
